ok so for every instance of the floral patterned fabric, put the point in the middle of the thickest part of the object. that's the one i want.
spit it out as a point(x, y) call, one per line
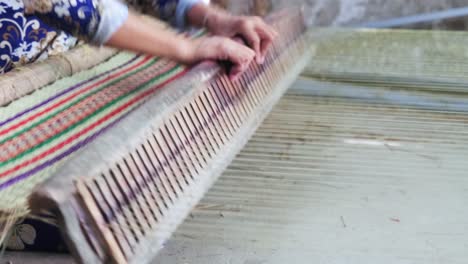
point(79, 17)
point(35, 235)
point(31, 30)
point(24, 39)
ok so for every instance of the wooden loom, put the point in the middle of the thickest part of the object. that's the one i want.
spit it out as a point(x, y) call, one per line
point(120, 198)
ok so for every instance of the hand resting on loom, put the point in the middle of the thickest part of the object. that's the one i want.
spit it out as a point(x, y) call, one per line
point(109, 22)
point(165, 43)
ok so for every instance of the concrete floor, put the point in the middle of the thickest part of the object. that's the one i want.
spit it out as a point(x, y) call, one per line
point(336, 181)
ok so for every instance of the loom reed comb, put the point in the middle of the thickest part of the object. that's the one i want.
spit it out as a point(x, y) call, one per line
point(119, 199)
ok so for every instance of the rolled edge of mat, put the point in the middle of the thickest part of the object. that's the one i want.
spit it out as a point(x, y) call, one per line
point(27, 79)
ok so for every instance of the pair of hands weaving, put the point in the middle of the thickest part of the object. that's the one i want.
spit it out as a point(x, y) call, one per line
point(219, 46)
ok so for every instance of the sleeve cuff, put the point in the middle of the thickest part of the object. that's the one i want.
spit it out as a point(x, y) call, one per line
point(113, 16)
point(182, 8)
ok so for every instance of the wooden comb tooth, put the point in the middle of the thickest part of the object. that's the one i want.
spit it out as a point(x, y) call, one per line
point(137, 202)
point(267, 77)
point(288, 48)
point(153, 162)
point(282, 67)
point(216, 116)
point(153, 184)
point(218, 108)
point(257, 90)
point(150, 201)
point(279, 67)
point(184, 140)
point(105, 200)
point(214, 98)
point(250, 92)
point(189, 129)
point(260, 71)
point(194, 124)
point(270, 61)
point(127, 206)
point(212, 119)
point(240, 94)
point(227, 103)
point(246, 84)
point(173, 160)
point(227, 86)
point(230, 98)
point(168, 163)
point(183, 148)
point(118, 232)
point(223, 125)
point(272, 77)
point(209, 122)
point(105, 224)
point(122, 216)
point(202, 129)
point(104, 209)
point(254, 82)
point(154, 180)
point(225, 107)
point(270, 53)
point(176, 153)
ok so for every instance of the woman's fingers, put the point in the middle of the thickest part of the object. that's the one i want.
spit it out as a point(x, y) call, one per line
point(259, 36)
point(254, 42)
point(240, 56)
point(267, 35)
point(226, 49)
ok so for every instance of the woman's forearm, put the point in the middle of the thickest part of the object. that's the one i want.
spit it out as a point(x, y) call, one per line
point(139, 36)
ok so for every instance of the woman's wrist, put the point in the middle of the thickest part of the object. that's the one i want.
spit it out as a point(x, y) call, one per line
point(186, 50)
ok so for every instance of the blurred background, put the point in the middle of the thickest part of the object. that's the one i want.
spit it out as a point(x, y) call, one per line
point(356, 12)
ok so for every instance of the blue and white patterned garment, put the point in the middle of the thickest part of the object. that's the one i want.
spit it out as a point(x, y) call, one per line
point(31, 30)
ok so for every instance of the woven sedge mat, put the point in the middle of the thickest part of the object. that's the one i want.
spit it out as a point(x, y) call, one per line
point(39, 132)
point(28, 78)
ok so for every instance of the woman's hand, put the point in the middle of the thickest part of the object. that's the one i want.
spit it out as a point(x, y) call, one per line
point(220, 48)
point(254, 30)
point(160, 42)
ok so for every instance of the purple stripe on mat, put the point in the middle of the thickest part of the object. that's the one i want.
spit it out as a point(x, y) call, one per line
point(68, 90)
